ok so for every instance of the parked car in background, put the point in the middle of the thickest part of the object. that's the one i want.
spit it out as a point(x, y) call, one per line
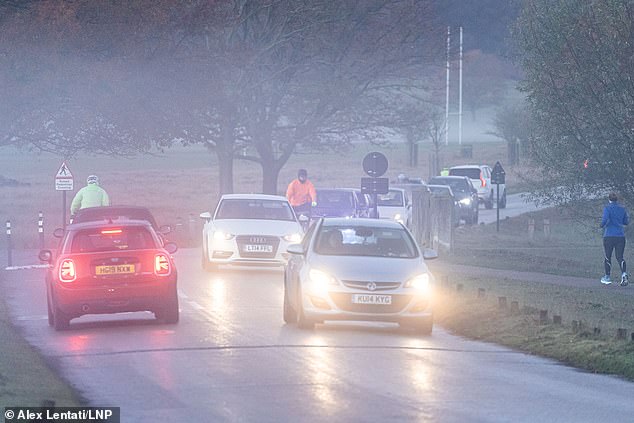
point(480, 176)
point(249, 229)
point(110, 266)
point(340, 202)
point(358, 269)
point(445, 191)
point(395, 205)
point(464, 192)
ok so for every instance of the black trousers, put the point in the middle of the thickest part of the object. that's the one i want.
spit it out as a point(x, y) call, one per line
point(616, 243)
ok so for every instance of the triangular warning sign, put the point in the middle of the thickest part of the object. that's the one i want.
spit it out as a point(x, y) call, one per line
point(64, 171)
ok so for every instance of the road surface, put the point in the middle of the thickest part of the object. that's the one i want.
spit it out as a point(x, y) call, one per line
point(231, 358)
point(516, 204)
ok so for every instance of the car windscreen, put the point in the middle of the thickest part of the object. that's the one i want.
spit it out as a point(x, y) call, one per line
point(391, 199)
point(112, 239)
point(254, 209)
point(471, 172)
point(456, 185)
point(365, 241)
point(440, 190)
point(332, 199)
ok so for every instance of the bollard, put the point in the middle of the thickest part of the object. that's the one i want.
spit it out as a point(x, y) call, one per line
point(9, 245)
point(501, 302)
point(621, 333)
point(632, 336)
point(40, 229)
point(515, 307)
point(543, 317)
point(556, 319)
point(575, 326)
point(481, 292)
point(531, 228)
point(547, 228)
point(597, 331)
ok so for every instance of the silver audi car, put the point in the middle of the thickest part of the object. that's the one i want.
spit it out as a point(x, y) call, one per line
point(358, 269)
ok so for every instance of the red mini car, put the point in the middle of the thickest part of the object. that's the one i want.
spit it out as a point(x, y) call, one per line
point(105, 267)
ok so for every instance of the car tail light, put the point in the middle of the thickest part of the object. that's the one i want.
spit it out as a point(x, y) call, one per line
point(483, 181)
point(161, 265)
point(67, 271)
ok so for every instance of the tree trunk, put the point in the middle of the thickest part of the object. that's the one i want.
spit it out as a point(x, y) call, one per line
point(224, 151)
point(270, 174)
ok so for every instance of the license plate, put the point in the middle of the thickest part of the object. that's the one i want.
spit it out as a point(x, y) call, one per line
point(371, 299)
point(119, 269)
point(258, 248)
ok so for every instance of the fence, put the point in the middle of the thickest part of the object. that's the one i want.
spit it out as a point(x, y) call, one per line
point(433, 219)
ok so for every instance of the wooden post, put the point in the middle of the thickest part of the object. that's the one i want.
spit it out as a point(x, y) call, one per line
point(597, 331)
point(502, 302)
point(621, 333)
point(9, 245)
point(481, 292)
point(556, 319)
point(575, 326)
point(531, 228)
point(543, 317)
point(547, 228)
point(40, 229)
point(515, 307)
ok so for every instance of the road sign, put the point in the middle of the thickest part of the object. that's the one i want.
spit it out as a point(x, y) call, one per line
point(375, 185)
point(64, 178)
point(498, 176)
point(375, 164)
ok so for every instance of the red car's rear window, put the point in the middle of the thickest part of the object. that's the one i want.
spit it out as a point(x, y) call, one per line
point(126, 238)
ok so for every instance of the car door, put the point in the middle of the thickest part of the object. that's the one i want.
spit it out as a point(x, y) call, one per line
point(295, 264)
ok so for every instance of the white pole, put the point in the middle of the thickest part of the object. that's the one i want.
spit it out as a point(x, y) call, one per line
point(447, 88)
point(460, 95)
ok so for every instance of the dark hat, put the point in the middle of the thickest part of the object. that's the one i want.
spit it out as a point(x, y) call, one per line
point(302, 172)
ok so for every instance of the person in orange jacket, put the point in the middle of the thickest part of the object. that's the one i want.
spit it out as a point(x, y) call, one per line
point(301, 192)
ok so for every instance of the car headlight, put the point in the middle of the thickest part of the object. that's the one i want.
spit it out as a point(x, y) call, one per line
point(320, 281)
point(222, 236)
point(419, 283)
point(293, 238)
point(465, 201)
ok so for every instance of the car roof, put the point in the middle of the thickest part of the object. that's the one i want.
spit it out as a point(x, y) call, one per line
point(454, 177)
point(108, 223)
point(467, 167)
point(103, 212)
point(374, 223)
point(252, 197)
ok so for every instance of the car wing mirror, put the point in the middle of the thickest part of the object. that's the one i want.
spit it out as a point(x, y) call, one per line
point(430, 254)
point(58, 233)
point(303, 218)
point(206, 216)
point(165, 229)
point(45, 256)
point(296, 249)
point(171, 247)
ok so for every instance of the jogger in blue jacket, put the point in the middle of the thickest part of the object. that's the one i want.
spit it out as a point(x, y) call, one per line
point(615, 217)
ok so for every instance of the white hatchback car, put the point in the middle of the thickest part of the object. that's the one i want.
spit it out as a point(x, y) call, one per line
point(480, 175)
point(395, 205)
point(249, 229)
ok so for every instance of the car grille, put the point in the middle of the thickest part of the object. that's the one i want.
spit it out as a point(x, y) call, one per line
point(378, 286)
point(344, 302)
point(257, 240)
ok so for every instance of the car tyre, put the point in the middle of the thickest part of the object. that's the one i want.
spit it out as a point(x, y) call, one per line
point(49, 309)
point(206, 265)
point(425, 326)
point(488, 204)
point(302, 321)
point(169, 313)
point(290, 315)
point(503, 201)
point(61, 321)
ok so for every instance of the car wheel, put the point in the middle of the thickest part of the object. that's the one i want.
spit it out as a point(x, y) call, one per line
point(205, 264)
point(488, 204)
point(503, 201)
point(425, 326)
point(302, 321)
point(290, 315)
point(60, 320)
point(169, 313)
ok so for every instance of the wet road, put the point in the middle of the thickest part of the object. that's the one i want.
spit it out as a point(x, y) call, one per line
point(515, 205)
point(231, 358)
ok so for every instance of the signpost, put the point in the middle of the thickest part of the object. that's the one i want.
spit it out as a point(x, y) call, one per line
point(64, 182)
point(498, 176)
point(375, 165)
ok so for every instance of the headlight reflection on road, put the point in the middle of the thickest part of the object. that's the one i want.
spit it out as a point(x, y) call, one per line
point(419, 367)
point(319, 363)
point(217, 309)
